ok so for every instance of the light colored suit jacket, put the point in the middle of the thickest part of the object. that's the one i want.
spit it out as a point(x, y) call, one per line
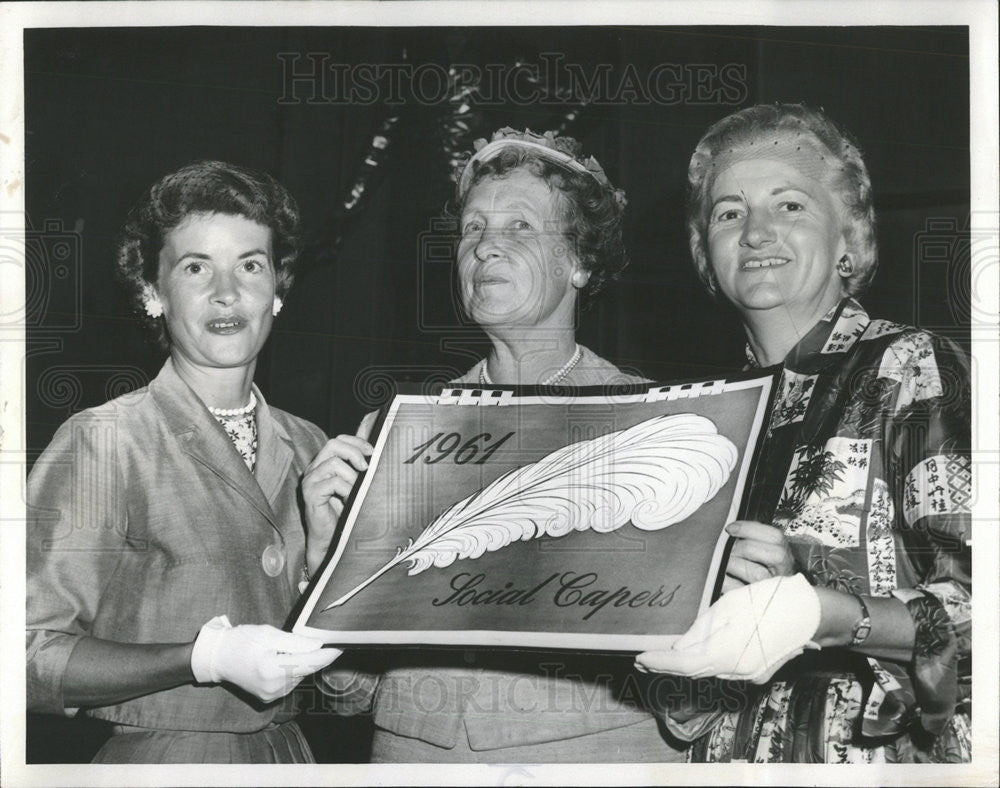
point(144, 523)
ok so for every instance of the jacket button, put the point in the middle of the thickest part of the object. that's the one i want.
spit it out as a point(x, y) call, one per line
point(273, 560)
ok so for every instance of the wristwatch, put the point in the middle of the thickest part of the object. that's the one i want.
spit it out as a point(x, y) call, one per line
point(863, 626)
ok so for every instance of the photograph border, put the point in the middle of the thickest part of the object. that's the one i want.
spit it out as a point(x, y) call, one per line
point(979, 15)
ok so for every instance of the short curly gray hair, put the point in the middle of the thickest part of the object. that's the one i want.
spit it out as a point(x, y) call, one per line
point(593, 210)
point(846, 175)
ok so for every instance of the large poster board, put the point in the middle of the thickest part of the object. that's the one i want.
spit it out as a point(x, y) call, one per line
point(582, 519)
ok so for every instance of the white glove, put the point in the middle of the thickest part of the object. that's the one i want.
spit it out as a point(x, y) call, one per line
point(260, 659)
point(746, 635)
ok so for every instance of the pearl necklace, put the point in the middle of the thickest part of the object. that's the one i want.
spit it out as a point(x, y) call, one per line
point(248, 408)
point(560, 374)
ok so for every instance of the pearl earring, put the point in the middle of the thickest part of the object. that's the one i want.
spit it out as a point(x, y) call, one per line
point(580, 278)
point(277, 306)
point(151, 302)
point(844, 266)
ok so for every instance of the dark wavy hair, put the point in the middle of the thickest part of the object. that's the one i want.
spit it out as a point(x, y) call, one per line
point(846, 176)
point(592, 219)
point(203, 187)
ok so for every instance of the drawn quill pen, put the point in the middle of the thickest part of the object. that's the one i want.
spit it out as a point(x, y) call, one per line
point(653, 474)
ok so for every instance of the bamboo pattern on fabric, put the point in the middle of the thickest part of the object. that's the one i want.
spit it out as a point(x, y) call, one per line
point(871, 484)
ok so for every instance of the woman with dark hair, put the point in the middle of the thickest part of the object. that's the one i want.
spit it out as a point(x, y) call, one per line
point(540, 227)
point(165, 538)
point(859, 543)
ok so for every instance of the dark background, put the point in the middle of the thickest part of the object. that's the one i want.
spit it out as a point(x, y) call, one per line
point(108, 111)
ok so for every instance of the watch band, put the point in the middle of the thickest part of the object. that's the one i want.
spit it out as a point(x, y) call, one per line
point(863, 626)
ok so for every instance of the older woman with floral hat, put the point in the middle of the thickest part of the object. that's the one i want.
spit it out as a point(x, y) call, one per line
point(540, 233)
point(540, 229)
point(859, 543)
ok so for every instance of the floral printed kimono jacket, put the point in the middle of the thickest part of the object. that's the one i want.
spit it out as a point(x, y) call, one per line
point(866, 469)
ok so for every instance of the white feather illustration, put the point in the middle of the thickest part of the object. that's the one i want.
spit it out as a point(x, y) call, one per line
point(653, 474)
